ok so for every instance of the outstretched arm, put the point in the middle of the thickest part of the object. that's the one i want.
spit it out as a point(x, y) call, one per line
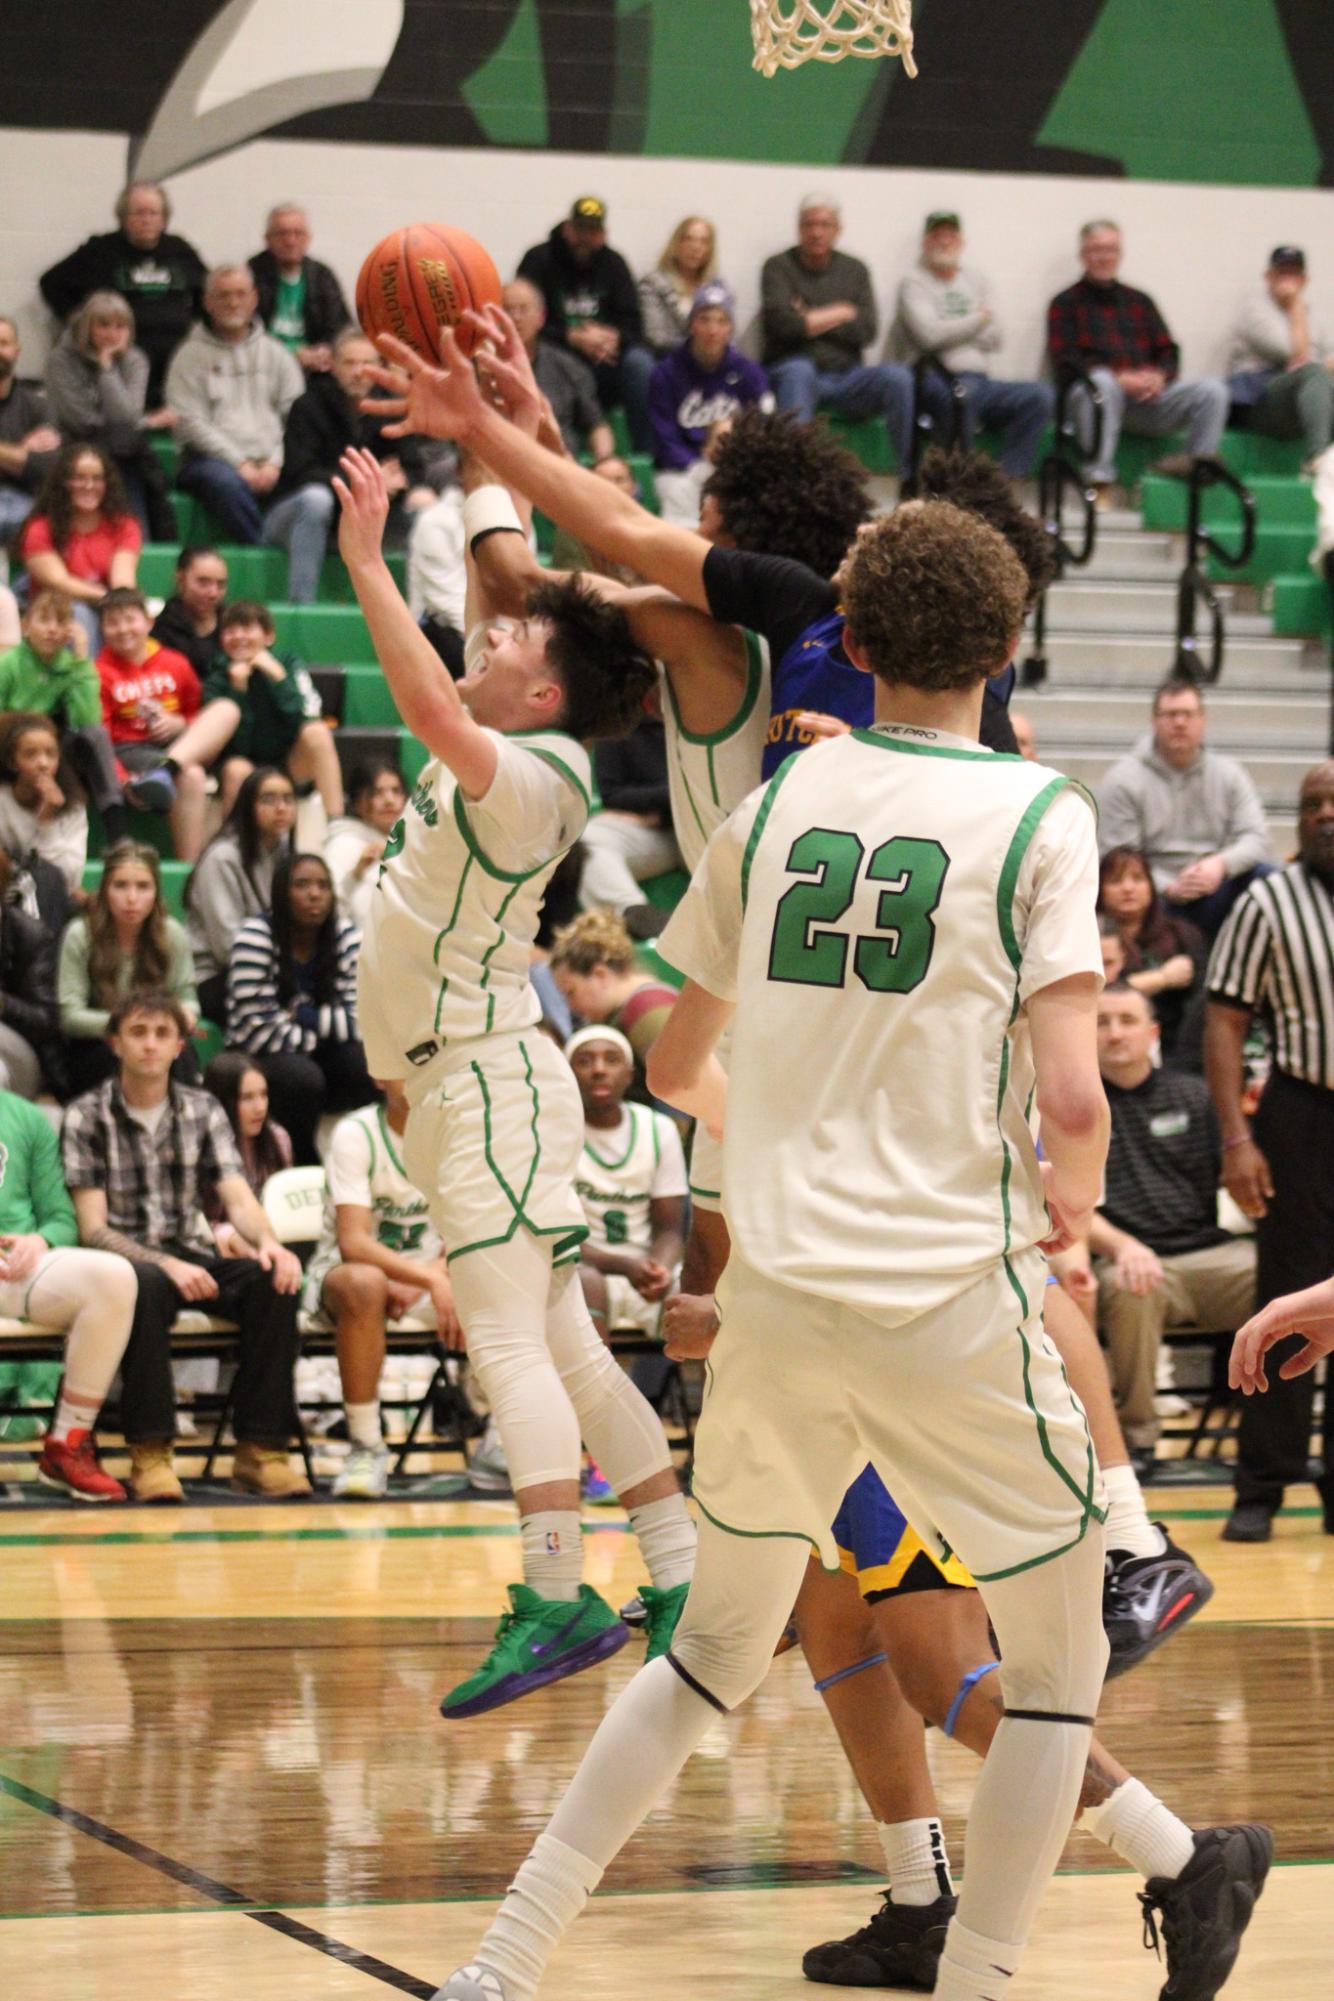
point(423, 690)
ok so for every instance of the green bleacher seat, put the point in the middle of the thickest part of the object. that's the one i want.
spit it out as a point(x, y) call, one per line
point(1302, 606)
point(412, 756)
point(163, 446)
point(1253, 457)
point(868, 439)
point(367, 702)
point(324, 632)
point(256, 573)
point(1280, 503)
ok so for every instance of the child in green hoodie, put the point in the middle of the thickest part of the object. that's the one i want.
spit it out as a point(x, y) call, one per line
point(44, 675)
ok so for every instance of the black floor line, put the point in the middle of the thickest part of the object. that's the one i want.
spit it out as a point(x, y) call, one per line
point(219, 1893)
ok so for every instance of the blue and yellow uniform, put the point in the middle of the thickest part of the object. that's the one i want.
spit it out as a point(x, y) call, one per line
point(877, 1546)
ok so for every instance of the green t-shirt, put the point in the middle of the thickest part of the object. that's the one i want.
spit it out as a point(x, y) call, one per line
point(33, 1195)
point(289, 312)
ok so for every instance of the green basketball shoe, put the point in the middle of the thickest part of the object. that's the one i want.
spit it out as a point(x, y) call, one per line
point(539, 1640)
point(664, 1608)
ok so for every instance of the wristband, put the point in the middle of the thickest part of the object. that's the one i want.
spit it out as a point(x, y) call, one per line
point(489, 511)
point(1245, 1140)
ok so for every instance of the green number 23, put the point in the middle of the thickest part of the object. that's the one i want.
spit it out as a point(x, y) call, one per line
point(893, 959)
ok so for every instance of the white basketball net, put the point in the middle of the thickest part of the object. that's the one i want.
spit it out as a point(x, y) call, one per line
point(791, 32)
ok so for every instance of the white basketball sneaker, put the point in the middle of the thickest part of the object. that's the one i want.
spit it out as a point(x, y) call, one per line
point(474, 1983)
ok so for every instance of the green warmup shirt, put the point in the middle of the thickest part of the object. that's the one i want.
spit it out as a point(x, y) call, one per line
point(272, 712)
point(288, 323)
point(65, 688)
point(33, 1195)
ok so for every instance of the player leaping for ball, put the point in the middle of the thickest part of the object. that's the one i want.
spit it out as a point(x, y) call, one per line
point(496, 1125)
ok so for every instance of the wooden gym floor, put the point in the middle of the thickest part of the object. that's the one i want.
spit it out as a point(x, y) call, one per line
point(223, 1774)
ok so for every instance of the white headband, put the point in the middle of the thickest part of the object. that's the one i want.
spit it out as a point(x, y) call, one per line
point(599, 1033)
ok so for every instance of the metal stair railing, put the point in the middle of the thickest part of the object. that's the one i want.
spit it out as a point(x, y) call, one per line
point(1060, 476)
point(924, 429)
point(1194, 588)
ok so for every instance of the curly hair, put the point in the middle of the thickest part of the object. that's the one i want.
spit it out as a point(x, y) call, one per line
point(53, 499)
point(606, 677)
point(595, 938)
point(935, 597)
point(976, 483)
point(783, 488)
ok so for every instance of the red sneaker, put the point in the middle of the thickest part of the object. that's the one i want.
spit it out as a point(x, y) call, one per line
point(71, 1465)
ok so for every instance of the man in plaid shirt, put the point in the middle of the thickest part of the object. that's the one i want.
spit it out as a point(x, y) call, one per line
point(1119, 338)
point(138, 1154)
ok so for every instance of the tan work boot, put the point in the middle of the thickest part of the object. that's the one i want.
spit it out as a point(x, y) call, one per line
point(258, 1469)
point(152, 1474)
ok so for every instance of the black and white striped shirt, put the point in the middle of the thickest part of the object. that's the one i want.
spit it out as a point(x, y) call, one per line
point(1276, 952)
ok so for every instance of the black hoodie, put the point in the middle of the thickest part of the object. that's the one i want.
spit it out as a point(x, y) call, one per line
point(601, 290)
point(162, 288)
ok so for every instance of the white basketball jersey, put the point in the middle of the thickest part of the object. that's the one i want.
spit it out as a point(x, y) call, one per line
point(454, 913)
point(710, 775)
point(364, 1169)
point(621, 1169)
point(899, 894)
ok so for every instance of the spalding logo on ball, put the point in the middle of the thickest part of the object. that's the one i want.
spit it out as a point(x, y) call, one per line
point(420, 279)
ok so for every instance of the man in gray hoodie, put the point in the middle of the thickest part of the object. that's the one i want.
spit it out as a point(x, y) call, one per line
point(232, 385)
point(1194, 812)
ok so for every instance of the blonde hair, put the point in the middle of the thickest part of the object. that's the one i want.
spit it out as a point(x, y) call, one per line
point(595, 938)
point(667, 261)
point(98, 306)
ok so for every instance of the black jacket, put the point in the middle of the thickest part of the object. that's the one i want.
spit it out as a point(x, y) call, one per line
point(632, 772)
point(28, 979)
point(602, 290)
point(163, 287)
point(326, 308)
point(321, 424)
point(174, 627)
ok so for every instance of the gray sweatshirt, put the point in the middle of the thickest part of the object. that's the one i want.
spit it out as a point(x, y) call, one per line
point(233, 397)
point(222, 896)
point(1178, 817)
point(944, 316)
point(95, 405)
point(1262, 336)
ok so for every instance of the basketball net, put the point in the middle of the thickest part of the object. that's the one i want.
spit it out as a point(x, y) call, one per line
point(788, 33)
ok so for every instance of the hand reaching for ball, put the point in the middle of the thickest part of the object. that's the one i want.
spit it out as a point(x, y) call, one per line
point(364, 500)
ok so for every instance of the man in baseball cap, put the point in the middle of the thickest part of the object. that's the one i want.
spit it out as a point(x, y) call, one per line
point(593, 309)
point(1282, 363)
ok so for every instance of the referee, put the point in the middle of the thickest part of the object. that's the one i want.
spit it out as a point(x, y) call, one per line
point(1276, 955)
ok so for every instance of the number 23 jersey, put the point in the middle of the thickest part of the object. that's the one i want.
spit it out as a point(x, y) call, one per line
point(879, 913)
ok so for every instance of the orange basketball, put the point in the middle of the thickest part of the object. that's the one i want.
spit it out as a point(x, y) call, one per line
point(420, 279)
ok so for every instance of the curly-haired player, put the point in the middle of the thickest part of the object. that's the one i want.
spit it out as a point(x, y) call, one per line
point(496, 1124)
point(784, 488)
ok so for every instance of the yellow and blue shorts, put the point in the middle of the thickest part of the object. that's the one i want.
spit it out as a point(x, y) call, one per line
point(886, 1556)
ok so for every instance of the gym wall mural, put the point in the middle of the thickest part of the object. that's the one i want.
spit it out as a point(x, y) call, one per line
point(1238, 91)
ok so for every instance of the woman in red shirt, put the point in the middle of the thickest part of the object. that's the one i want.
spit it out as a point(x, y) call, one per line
point(81, 537)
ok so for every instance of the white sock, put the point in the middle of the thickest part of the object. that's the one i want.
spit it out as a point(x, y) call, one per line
point(543, 1901)
point(973, 1968)
point(553, 1552)
point(1141, 1830)
point(666, 1537)
point(363, 1423)
point(919, 1868)
point(74, 1414)
point(1128, 1529)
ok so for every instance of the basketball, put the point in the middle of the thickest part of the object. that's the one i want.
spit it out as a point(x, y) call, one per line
point(421, 278)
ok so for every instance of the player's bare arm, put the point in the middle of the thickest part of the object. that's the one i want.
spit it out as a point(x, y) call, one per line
point(682, 1067)
point(1309, 1313)
point(423, 690)
point(1074, 1121)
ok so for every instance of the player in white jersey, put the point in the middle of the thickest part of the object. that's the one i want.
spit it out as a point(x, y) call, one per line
point(904, 925)
point(379, 1259)
point(495, 1124)
point(632, 1184)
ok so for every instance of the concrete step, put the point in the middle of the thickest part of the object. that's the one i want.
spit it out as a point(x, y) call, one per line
point(1286, 675)
point(1277, 773)
point(1133, 553)
point(1145, 658)
point(1102, 604)
point(1237, 720)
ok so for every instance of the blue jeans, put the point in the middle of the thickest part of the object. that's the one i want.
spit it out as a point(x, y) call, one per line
point(300, 524)
point(880, 389)
point(625, 382)
point(225, 495)
point(1022, 408)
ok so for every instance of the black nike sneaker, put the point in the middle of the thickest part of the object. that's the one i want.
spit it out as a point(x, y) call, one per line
point(1206, 1908)
point(901, 1947)
point(1146, 1599)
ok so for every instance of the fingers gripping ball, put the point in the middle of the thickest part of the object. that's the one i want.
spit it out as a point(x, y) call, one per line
point(422, 278)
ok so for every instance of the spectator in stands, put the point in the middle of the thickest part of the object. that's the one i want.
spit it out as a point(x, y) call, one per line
point(630, 837)
point(1163, 955)
point(300, 300)
point(819, 318)
point(694, 390)
point(292, 1001)
point(945, 311)
point(188, 621)
point(564, 379)
point(1282, 364)
point(126, 942)
point(1161, 1257)
point(232, 385)
point(1193, 812)
point(378, 1260)
point(140, 1154)
point(44, 676)
point(263, 1146)
point(28, 438)
point(29, 1021)
point(150, 699)
point(667, 292)
point(85, 1295)
point(1275, 958)
point(324, 422)
point(41, 803)
point(96, 380)
point(593, 964)
point(1119, 338)
point(593, 309)
point(1113, 952)
point(569, 553)
point(81, 537)
point(233, 879)
point(159, 275)
point(354, 847)
point(438, 575)
point(273, 696)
